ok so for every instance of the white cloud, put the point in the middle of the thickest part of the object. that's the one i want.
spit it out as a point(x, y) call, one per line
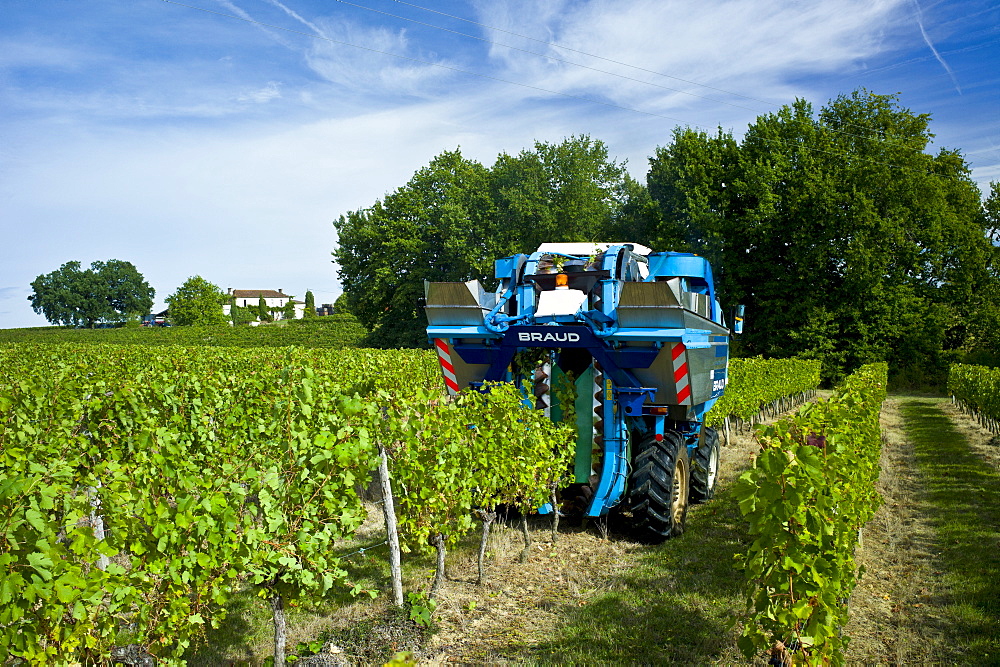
point(367, 68)
point(263, 95)
point(751, 48)
point(19, 53)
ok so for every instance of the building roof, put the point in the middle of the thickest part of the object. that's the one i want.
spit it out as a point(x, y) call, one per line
point(257, 293)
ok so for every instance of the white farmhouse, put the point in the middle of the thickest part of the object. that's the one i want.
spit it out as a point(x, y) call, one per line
point(275, 300)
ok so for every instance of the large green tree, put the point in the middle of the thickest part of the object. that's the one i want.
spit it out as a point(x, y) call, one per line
point(845, 239)
point(455, 217)
point(197, 303)
point(566, 191)
point(436, 227)
point(109, 291)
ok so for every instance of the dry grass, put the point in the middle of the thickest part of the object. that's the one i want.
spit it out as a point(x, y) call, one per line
point(985, 444)
point(896, 608)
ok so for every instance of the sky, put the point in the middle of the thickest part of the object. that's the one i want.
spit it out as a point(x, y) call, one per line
point(222, 138)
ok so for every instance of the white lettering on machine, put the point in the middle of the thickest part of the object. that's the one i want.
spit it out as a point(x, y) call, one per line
point(536, 337)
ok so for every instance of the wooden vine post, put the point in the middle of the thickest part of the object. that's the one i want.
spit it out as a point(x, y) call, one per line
point(391, 530)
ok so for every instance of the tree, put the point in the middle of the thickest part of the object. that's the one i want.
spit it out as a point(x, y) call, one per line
point(310, 307)
point(566, 191)
point(109, 291)
point(263, 312)
point(342, 305)
point(845, 239)
point(288, 311)
point(436, 227)
point(241, 315)
point(196, 303)
point(455, 217)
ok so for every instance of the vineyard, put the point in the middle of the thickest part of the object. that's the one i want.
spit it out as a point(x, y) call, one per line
point(976, 389)
point(331, 331)
point(143, 486)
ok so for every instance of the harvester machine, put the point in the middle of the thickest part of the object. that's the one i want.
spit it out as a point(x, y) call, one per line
point(640, 337)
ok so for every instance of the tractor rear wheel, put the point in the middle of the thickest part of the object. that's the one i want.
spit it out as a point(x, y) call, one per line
point(705, 467)
point(658, 487)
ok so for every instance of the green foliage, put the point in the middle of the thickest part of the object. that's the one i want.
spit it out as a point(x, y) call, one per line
point(214, 469)
point(324, 332)
point(211, 469)
point(310, 307)
point(977, 390)
point(263, 312)
point(196, 303)
point(455, 217)
point(240, 315)
point(754, 383)
point(421, 608)
point(479, 450)
point(288, 311)
point(342, 305)
point(436, 227)
point(109, 291)
point(811, 489)
point(846, 241)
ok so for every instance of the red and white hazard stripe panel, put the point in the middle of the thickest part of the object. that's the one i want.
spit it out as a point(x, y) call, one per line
point(444, 356)
point(682, 381)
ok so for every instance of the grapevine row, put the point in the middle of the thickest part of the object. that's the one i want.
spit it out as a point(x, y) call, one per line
point(211, 469)
point(811, 489)
point(976, 390)
point(760, 387)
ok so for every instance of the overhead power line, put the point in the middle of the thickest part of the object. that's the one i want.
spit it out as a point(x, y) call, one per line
point(792, 144)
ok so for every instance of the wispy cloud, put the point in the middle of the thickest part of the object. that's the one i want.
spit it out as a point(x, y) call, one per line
point(188, 142)
point(930, 45)
point(371, 61)
point(262, 95)
point(748, 47)
point(296, 16)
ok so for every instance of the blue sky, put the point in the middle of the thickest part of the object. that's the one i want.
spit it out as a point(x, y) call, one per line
point(192, 142)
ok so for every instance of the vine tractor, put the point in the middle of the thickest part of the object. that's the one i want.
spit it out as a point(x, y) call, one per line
point(629, 343)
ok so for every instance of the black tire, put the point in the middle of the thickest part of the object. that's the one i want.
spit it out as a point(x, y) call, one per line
point(658, 487)
point(705, 467)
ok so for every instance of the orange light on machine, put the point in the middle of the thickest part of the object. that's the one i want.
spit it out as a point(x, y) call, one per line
point(659, 410)
point(562, 281)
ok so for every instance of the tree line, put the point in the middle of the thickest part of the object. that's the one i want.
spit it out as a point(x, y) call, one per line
point(847, 241)
point(115, 292)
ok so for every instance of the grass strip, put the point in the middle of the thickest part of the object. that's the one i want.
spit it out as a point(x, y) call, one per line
point(963, 501)
point(676, 603)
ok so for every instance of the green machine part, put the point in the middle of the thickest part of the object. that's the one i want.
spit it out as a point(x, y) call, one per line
point(587, 419)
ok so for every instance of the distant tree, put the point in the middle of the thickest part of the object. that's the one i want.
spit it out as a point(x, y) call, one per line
point(288, 311)
point(110, 291)
point(196, 303)
point(310, 308)
point(342, 305)
point(263, 312)
point(565, 191)
point(241, 315)
point(439, 226)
